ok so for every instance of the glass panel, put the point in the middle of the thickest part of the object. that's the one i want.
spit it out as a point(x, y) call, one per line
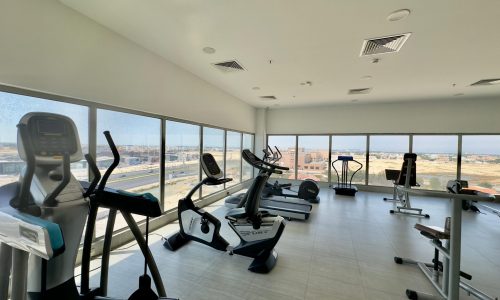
point(436, 160)
point(233, 157)
point(13, 108)
point(355, 146)
point(213, 142)
point(312, 160)
point(386, 152)
point(182, 161)
point(247, 144)
point(286, 145)
point(481, 161)
point(138, 141)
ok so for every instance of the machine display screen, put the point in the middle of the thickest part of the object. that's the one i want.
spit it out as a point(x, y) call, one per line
point(51, 127)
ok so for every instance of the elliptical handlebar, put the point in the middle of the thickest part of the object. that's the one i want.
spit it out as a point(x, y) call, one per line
point(21, 202)
point(95, 171)
point(50, 200)
point(116, 160)
point(279, 153)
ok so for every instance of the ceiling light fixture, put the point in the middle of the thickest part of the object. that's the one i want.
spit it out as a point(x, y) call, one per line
point(256, 88)
point(209, 50)
point(366, 77)
point(459, 94)
point(399, 14)
point(309, 83)
point(354, 100)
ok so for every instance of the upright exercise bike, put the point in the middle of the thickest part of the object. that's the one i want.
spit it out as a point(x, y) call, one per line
point(258, 232)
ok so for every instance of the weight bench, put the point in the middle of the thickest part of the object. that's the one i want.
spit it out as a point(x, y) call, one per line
point(438, 272)
point(407, 178)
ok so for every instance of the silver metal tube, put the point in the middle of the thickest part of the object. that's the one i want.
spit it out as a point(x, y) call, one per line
point(429, 274)
point(6, 263)
point(455, 240)
point(19, 274)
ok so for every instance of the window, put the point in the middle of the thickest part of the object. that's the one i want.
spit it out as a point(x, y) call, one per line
point(312, 158)
point(481, 161)
point(355, 146)
point(386, 152)
point(286, 145)
point(247, 171)
point(233, 157)
point(436, 160)
point(182, 161)
point(138, 141)
point(13, 108)
point(213, 142)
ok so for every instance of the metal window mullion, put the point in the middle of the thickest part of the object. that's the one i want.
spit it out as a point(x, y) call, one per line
point(241, 157)
point(330, 149)
point(202, 129)
point(296, 156)
point(459, 157)
point(224, 155)
point(367, 159)
point(92, 118)
point(410, 146)
point(163, 148)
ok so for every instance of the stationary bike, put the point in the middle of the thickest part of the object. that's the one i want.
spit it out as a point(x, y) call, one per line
point(258, 232)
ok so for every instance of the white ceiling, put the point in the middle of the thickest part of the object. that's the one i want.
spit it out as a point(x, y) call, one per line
point(282, 43)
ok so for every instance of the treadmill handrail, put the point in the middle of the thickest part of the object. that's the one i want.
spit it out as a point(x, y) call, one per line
point(258, 163)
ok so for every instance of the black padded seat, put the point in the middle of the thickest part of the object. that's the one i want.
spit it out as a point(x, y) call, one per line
point(433, 232)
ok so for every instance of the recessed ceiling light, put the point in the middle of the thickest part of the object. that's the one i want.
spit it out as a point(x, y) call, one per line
point(309, 83)
point(366, 77)
point(209, 50)
point(459, 94)
point(398, 15)
point(354, 100)
point(256, 88)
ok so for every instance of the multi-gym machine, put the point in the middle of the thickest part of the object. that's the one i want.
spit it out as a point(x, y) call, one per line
point(42, 217)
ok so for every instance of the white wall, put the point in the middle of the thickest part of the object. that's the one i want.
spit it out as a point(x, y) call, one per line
point(48, 47)
point(457, 116)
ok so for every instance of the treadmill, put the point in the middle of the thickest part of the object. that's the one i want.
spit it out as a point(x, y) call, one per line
point(289, 208)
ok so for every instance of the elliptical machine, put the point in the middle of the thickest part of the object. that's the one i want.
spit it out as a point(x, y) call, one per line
point(258, 232)
point(43, 215)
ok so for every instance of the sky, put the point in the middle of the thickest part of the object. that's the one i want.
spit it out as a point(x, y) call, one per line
point(130, 129)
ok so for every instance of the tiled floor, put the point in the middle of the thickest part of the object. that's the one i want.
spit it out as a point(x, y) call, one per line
point(344, 251)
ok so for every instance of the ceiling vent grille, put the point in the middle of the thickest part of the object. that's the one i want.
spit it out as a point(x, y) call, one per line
point(386, 44)
point(229, 66)
point(487, 82)
point(268, 98)
point(359, 91)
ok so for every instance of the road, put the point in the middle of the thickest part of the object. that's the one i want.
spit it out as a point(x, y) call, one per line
point(134, 179)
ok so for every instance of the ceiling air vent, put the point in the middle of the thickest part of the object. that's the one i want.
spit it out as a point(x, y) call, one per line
point(487, 82)
point(387, 44)
point(359, 91)
point(268, 97)
point(229, 66)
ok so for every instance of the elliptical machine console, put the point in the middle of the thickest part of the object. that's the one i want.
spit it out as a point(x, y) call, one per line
point(258, 232)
